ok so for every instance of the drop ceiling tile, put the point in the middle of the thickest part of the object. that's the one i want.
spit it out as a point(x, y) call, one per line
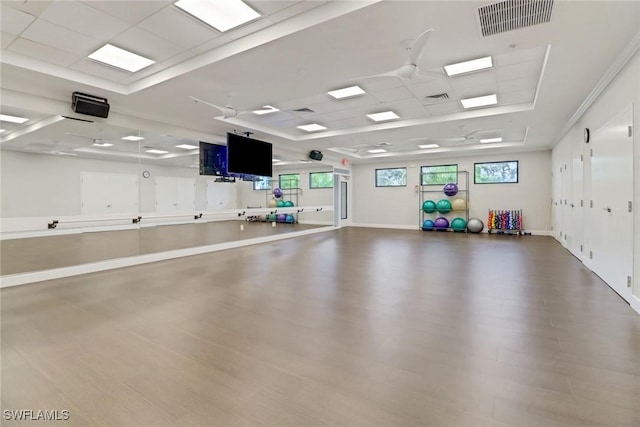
point(530, 82)
point(43, 53)
point(338, 124)
point(220, 40)
point(519, 70)
point(34, 8)
point(295, 9)
point(14, 21)
point(265, 8)
point(517, 56)
point(248, 29)
point(393, 94)
point(85, 20)
point(376, 83)
point(61, 38)
point(353, 102)
point(95, 68)
point(518, 97)
point(271, 118)
point(179, 58)
point(430, 87)
point(6, 39)
point(145, 72)
point(479, 80)
point(445, 108)
point(171, 24)
point(472, 92)
point(129, 11)
point(146, 44)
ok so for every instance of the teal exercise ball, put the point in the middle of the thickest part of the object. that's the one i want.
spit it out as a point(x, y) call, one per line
point(427, 225)
point(272, 218)
point(458, 224)
point(443, 206)
point(280, 204)
point(429, 206)
point(288, 204)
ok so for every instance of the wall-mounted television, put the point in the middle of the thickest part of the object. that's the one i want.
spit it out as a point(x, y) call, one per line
point(213, 159)
point(248, 156)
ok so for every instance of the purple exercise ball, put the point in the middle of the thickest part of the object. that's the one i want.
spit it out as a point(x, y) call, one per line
point(450, 189)
point(441, 223)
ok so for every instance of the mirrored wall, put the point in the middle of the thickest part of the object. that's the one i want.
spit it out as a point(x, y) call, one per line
point(77, 192)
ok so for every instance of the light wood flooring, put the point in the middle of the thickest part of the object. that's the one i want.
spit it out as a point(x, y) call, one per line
point(354, 327)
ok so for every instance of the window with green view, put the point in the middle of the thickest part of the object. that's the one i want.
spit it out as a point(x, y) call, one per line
point(392, 177)
point(321, 180)
point(496, 172)
point(289, 180)
point(262, 183)
point(439, 175)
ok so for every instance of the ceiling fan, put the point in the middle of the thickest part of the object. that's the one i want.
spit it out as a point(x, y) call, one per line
point(410, 69)
point(227, 112)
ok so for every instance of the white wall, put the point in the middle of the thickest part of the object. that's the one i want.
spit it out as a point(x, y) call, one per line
point(622, 92)
point(399, 206)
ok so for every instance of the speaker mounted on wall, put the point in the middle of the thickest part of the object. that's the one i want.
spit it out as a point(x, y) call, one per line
point(89, 105)
point(315, 155)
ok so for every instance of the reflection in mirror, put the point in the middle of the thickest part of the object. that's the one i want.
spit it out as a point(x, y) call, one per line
point(77, 192)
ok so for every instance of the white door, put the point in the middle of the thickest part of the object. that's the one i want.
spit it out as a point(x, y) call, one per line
point(166, 194)
point(612, 188)
point(108, 193)
point(556, 205)
point(567, 203)
point(577, 205)
point(186, 194)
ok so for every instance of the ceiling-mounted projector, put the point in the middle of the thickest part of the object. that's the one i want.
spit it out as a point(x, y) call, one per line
point(315, 155)
point(89, 105)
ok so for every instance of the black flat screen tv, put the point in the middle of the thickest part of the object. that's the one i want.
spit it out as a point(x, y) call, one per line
point(248, 156)
point(213, 159)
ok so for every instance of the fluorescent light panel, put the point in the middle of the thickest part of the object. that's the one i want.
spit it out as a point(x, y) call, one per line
point(12, 119)
point(489, 140)
point(1, 130)
point(266, 109)
point(154, 151)
point(222, 15)
point(103, 144)
point(133, 138)
point(312, 127)
point(275, 160)
point(385, 115)
point(120, 58)
point(187, 146)
point(377, 150)
point(347, 92)
point(468, 66)
point(480, 101)
point(429, 146)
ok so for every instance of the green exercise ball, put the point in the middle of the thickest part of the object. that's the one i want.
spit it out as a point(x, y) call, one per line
point(272, 218)
point(429, 206)
point(280, 204)
point(458, 224)
point(288, 204)
point(443, 206)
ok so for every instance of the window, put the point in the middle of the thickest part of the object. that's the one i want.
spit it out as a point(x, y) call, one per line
point(321, 180)
point(392, 177)
point(262, 183)
point(439, 175)
point(496, 172)
point(289, 180)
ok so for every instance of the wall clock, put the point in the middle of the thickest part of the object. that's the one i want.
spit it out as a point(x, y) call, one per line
point(587, 135)
point(146, 174)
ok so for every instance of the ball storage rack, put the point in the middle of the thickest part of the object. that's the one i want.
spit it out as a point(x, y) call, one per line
point(435, 192)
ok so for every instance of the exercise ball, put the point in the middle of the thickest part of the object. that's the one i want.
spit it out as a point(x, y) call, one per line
point(450, 189)
point(290, 219)
point(429, 206)
point(458, 224)
point(443, 206)
point(288, 204)
point(475, 225)
point(273, 203)
point(280, 204)
point(272, 218)
point(277, 193)
point(427, 225)
point(441, 223)
point(281, 217)
point(459, 204)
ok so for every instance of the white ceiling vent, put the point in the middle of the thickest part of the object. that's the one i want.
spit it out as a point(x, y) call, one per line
point(435, 99)
point(513, 14)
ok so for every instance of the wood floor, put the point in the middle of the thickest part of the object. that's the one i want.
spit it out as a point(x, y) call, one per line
point(355, 327)
point(43, 253)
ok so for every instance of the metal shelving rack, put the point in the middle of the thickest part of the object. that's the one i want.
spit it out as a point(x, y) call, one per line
point(287, 194)
point(463, 191)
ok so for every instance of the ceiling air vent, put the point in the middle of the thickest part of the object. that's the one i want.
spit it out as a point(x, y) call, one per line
point(304, 110)
point(513, 14)
point(434, 99)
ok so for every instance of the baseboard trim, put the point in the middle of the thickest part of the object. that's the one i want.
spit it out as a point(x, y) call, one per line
point(635, 303)
point(391, 226)
point(57, 273)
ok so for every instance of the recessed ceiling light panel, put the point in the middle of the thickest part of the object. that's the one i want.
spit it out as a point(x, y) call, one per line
point(429, 146)
point(490, 140)
point(154, 151)
point(103, 144)
point(12, 119)
point(385, 115)
point(266, 109)
point(313, 127)
point(222, 15)
point(276, 160)
point(480, 101)
point(377, 150)
point(133, 138)
point(187, 146)
point(347, 92)
point(468, 66)
point(120, 58)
